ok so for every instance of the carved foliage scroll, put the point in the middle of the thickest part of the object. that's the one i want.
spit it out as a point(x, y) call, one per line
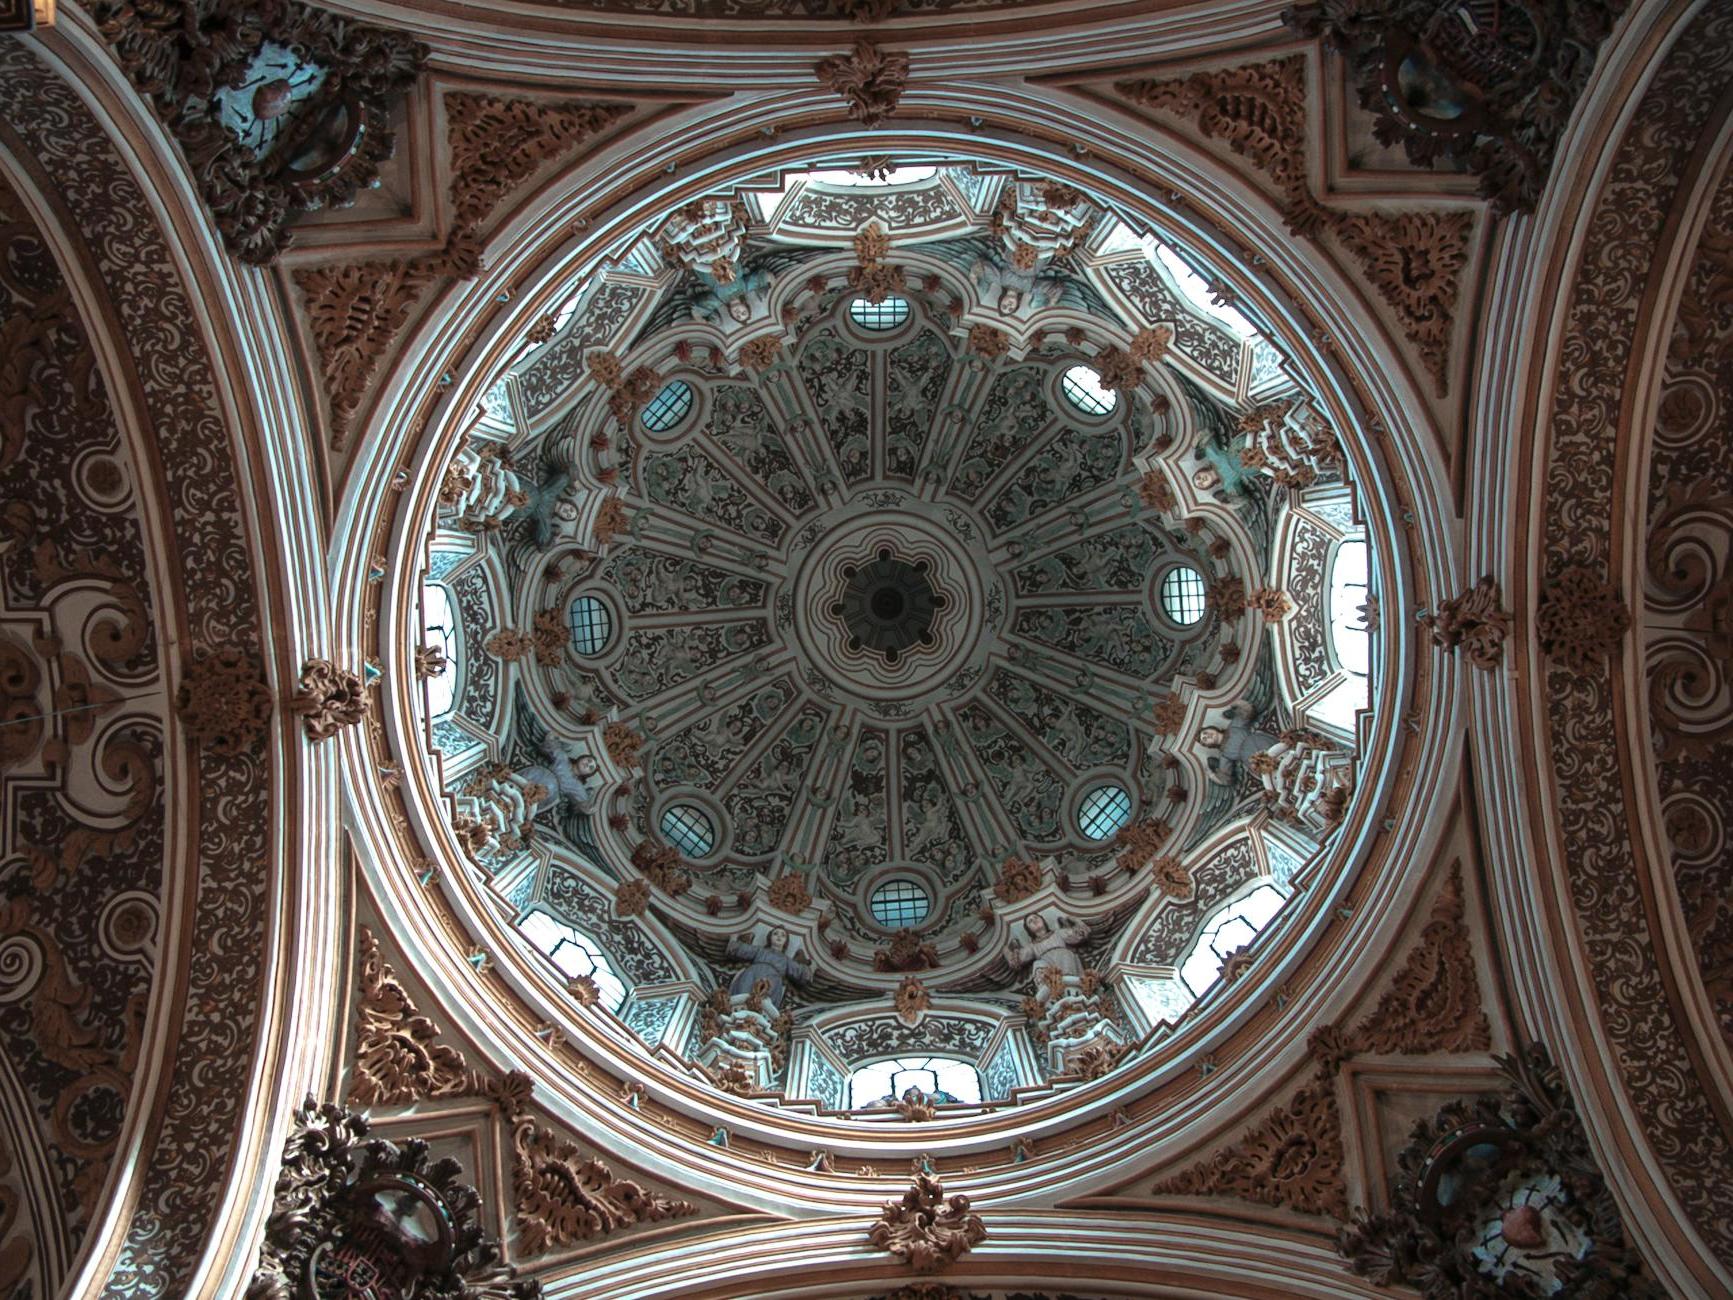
point(397, 1058)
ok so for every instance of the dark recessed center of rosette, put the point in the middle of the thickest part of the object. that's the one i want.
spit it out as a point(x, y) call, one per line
point(888, 605)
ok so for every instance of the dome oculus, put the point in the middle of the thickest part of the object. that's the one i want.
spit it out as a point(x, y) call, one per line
point(1104, 810)
point(592, 624)
point(1082, 387)
point(901, 903)
point(885, 315)
point(668, 407)
point(1182, 595)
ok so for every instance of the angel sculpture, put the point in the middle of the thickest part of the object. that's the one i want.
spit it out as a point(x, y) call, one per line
point(1050, 953)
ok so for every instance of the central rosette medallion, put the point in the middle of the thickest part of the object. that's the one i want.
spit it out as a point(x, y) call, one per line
point(889, 605)
point(892, 599)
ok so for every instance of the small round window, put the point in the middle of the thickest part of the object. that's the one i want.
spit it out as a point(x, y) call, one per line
point(689, 828)
point(899, 904)
point(1082, 388)
point(885, 315)
point(592, 625)
point(1182, 594)
point(1103, 811)
point(668, 407)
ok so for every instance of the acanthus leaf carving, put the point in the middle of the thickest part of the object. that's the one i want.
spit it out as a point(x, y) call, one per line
point(560, 1196)
point(1292, 1159)
point(1433, 1002)
point(869, 79)
point(1475, 622)
point(1413, 259)
point(397, 1057)
point(925, 1230)
point(328, 698)
point(356, 311)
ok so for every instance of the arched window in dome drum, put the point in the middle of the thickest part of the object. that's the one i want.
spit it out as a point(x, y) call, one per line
point(668, 407)
point(592, 624)
point(900, 903)
point(1182, 594)
point(439, 631)
point(1103, 811)
point(1082, 388)
point(943, 1078)
point(689, 829)
point(1230, 929)
point(884, 315)
point(575, 953)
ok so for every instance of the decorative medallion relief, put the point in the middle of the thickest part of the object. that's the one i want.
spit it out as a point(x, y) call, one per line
point(560, 1196)
point(353, 1214)
point(1486, 88)
point(1501, 1196)
point(278, 109)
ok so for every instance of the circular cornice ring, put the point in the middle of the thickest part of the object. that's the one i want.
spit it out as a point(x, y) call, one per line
point(1327, 336)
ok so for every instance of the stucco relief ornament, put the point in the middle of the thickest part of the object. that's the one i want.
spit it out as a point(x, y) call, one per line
point(912, 1000)
point(430, 661)
point(1474, 622)
point(1501, 1196)
point(870, 79)
point(1018, 878)
point(279, 108)
point(924, 1230)
point(223, 701)
point(1581, 619)
point(355, 1216)
point(328, 699)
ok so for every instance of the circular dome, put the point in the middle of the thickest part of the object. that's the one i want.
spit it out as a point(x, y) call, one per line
point(968, 665)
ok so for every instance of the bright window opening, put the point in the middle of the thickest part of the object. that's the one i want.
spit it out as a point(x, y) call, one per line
point(886, 315)
point(1228, 930)
point(668, 407)
point(899, 904)
point(439, 631)
point(575, 953)
point(863, 181)
point(1196, 291)
point(1103, 811)
point(688, 828)
point(1182, 594)
point(1082, 388)
point(937, 1076)
point(1348, 631)
point(592, 625)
